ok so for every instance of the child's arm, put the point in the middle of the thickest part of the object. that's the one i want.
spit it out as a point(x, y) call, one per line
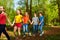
point(22, 19)
point(13, 22)
point(38, 20)
point(41, 21)
point(32, 22)
point(8, 19)
point(29, 21)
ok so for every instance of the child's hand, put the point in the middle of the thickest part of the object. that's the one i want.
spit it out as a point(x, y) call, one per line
point(39, 23)
point(31, 23)
point(11, 24)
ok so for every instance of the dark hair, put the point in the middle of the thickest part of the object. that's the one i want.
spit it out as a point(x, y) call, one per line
point(34, 12)
point(40, 13)
point(0, 11)
point(4, 9)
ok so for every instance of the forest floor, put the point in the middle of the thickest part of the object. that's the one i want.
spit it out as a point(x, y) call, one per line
point(50, 33)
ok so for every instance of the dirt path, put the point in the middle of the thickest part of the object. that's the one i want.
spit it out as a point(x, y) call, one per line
point(52, 31)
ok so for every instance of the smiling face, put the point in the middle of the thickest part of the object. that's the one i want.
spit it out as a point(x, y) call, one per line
point(35, 15)
point(40, 14)
point(18, 12)
point(1, 8)
point(26, 13)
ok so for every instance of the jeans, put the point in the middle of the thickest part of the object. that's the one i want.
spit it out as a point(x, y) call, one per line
point(41, 28)
point(2, 30)
point(35, 29)
point(25, 28)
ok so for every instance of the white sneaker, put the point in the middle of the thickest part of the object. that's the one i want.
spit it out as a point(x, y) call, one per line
point(30, 34)
point(42, 33)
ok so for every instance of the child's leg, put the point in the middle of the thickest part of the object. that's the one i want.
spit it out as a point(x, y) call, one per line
point(41, 26)
point(15, 28)
point(33, 29)
point(6, 34)
point(0, 31)
point(4, 31)
point(19, 31)
point(36, 29)
point(27, 28)
point(24, 29)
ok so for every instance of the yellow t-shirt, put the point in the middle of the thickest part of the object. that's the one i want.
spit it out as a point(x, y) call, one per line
point(18, 19)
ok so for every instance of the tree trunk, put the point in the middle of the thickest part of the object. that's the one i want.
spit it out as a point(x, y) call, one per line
point(58, 3)
point(26, 5)
point(30, 13)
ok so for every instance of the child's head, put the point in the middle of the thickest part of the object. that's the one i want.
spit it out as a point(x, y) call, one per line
point(1, 8)
point(0, 11)
point(35, 15)
point(40, 13)
point(18, 11)
point(26, 13)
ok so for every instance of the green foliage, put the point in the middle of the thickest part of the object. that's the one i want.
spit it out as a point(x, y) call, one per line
point(48, 7)
point(51, 12)
point(9, 8)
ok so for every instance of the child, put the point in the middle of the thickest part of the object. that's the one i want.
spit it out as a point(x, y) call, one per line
point(35, 21)
point(25, 23)
point(17, 22)
point(3, 18)
point(41, 23)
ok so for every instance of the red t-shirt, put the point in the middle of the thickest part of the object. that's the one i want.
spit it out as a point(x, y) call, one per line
point(2, 19)
point(25, 19)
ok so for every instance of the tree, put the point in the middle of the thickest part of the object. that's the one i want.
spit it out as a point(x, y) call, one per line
point(30, 13)
point(49, 8)
point(58, 3)
point(24, 4)
point(27, 5)
point(9, 7)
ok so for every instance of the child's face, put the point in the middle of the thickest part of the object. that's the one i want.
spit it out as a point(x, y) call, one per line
point(18, 12)
point(26, 13)
point(40, 14)
point(1, 8)
point(34, 15)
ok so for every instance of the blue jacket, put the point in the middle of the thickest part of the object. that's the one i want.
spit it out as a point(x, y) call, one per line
point(41, 19)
